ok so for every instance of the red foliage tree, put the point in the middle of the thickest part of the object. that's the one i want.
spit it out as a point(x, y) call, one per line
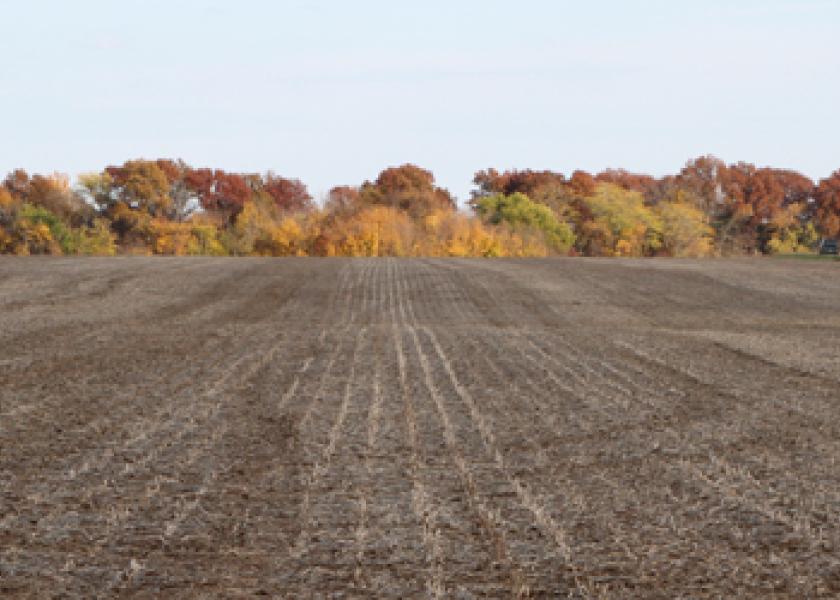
point(17, 183)
point(526, 182)
point(827, 199)
point(219, 192)
point(184, 199)
point(765, 191)
point(635, 182)
point(288, 194)
point(582, 183)
point(702, 178)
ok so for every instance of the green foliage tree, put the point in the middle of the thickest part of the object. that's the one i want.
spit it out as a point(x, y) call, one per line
point(44, 232)
point(520, 211)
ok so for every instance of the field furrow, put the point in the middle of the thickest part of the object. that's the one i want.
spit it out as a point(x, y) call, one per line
point(441, 428)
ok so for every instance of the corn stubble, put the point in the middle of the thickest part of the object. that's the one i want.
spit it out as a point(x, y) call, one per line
point(405, 428)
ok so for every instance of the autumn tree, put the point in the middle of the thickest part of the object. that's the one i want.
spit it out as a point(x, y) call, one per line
point(748, 206)
point(685, 231)
point(518, 210)
point(17, 184)
point(44, 215)
point(827, 200)
point(374, 230)
point(761, 202)
point(703, 177)
point(96, 188)
point(635, 182)
point(262, 228)
point(184, 199)
point(7, 201)
point(582, 183)
point(408, 188)
point(549, 188)
point(167, 207)
point(343, 200)
point(140, 185)
point(617, 222)
point(224, 194)
point(8, 210)
point(52, 192)
point(288, 194)
point(490, 182)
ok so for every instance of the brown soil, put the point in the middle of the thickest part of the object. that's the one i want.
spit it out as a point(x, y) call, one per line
point(419, 428)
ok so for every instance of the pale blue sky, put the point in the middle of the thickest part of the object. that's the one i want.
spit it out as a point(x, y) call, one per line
point(334, 91)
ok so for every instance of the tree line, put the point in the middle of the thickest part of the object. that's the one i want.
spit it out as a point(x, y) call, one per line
point(168, 207)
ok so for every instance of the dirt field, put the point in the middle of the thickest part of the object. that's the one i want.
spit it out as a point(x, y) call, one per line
point(419, 428)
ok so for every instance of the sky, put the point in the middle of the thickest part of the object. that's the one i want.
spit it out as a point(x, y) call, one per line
point(332, 92)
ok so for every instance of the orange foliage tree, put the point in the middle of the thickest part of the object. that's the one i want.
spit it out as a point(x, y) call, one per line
point(408, 188)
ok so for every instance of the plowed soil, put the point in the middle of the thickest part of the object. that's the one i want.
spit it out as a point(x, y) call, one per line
point(202, 428)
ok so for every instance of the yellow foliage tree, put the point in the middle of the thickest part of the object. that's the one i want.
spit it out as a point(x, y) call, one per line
point(8, 206)
point(372, 231)
point(789, 235)
point(169, 237)
point(7, 202)
point(619, 224)
point(191, 238)
point(204, 240)
point(450, 233)
point(34, 238)
point(261, 230)
point(95, 240)
point(685, 231)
